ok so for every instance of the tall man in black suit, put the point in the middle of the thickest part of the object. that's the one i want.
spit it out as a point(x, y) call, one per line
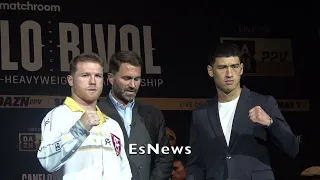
point(229, 136)
point(142, 124)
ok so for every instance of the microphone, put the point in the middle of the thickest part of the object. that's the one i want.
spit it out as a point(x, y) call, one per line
point(132, 124)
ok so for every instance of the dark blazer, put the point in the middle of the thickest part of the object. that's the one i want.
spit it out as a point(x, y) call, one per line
point(247, 156)
point(144, 167)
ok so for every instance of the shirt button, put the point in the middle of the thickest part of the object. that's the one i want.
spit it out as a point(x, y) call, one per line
point(140, 167)
point(228, 157)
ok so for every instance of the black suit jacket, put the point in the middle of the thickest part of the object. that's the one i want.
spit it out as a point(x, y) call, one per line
point(247, 155)
point(148, 125)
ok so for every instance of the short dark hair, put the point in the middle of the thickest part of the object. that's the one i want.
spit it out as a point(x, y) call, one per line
point(84, 57)
point(124, 57)
point(223, 50)
point(182, 158)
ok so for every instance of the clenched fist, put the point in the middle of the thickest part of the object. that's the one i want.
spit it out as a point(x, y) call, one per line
point(90, 119)
point(258, 115)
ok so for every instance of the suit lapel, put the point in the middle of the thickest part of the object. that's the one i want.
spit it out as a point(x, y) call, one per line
point(136, 123)
point(240, 120)
point(214, 121)
point(112, 112)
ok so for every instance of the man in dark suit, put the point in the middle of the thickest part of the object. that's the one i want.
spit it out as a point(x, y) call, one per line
point(230, 135)
point(142, 124)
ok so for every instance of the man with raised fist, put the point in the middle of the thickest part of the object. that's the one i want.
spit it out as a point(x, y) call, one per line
point(78, 141)
point(231, 136)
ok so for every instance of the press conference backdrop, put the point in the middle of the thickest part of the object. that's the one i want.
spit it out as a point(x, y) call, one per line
point(38, 41)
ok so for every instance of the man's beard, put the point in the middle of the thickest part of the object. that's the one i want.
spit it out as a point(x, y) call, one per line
point(120, 94)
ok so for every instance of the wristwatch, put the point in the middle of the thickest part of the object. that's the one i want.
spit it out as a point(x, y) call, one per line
point(271, 122)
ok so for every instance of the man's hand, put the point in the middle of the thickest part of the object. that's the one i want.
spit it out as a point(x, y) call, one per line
point(258, 115)
point(90, 119)
point(311, 171)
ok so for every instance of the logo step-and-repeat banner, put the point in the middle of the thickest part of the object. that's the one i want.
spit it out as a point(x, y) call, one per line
point(178, 104)
point(265, 57)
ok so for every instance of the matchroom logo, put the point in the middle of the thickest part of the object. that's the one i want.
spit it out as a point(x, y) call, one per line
point(150, 149)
